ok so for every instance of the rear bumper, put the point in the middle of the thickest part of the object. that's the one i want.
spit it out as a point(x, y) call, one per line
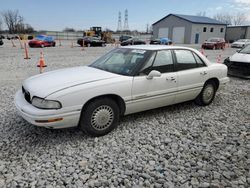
point(33, 114)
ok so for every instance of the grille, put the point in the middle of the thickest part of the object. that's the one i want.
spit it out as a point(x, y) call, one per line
point(243, 68)
point(26, 95)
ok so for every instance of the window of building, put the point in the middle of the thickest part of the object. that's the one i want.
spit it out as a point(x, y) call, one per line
point(222, 30)
point(211, 29)
point(204, 29)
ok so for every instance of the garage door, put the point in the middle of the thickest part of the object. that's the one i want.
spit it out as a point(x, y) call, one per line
point(163, 32)
point(178, 34)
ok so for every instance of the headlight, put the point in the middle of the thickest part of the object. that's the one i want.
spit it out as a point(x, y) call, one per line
point(45, 104)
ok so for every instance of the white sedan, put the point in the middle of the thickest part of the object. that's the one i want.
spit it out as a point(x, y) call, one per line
point(239, 63)
point(124, 81)
point(240, 43)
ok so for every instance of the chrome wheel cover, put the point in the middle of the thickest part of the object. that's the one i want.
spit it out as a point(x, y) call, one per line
point(208, 93)
point(102, 117)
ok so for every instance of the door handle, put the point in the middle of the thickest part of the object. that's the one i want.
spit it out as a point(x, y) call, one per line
point(203, 73)
point(171, 79)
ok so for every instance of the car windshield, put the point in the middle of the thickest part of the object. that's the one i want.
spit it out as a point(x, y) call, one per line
point(245, 50)
point(122, 61)
point(213, 40)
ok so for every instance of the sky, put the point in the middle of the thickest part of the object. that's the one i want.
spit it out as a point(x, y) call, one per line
point(55, 15)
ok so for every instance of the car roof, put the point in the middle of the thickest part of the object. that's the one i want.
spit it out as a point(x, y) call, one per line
point(155, 47)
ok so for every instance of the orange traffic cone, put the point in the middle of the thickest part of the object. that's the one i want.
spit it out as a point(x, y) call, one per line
point(26, 51)
point(13, 45)
point(60, 44)
point(219, 59)
point(21, 45)
point(203, 52)
point(41, 63)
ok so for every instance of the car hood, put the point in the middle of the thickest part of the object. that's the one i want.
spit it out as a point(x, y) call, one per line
point(239, 43)
point(240, 57)
point(47, 83)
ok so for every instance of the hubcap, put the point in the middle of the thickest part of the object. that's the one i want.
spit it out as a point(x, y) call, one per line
point(102, 117)
point(208, 93)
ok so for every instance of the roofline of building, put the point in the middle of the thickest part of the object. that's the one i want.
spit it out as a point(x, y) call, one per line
point(231, 26)
point(188, 20)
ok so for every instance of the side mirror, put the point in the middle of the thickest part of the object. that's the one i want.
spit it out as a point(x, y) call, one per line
point(238, 50)
point(153, 74)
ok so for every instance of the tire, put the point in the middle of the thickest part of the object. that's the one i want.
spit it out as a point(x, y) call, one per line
point(100, 117)
point(207, 94)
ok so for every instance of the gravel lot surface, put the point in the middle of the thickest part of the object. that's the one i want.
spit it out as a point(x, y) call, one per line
point(178, 146)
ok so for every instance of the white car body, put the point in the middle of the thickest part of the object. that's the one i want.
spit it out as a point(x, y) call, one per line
point(239, 57)
point(74, 87)
point(240, 43)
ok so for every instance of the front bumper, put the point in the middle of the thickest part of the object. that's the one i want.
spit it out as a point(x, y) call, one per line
point(223, 83)
point(33, 114)
point(238, 69)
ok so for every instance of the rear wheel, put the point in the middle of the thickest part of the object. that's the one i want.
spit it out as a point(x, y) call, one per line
point(207, 94)
point(100, 117)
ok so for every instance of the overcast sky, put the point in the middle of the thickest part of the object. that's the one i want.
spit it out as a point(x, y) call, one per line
point(81, 14)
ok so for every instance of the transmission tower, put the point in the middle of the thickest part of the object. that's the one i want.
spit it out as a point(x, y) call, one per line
point(119, 26)
point(126, 28)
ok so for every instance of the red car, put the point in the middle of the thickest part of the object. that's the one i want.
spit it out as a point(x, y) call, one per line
point(42, 41)
point(214, 43)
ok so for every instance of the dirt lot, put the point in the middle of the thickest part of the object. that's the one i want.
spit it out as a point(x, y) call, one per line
point(178, 146)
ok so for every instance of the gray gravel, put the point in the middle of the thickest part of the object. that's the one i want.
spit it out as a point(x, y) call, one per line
point(178, 146)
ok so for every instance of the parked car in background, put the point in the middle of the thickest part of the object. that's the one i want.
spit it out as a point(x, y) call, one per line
point(132, 41)
point(240, 43)
point(1, 42)
point(124, 37)
point(42, 41)
point(214, 43)
point(91, 41)
point(239, 63)
point(126, 80)
point(165, 41)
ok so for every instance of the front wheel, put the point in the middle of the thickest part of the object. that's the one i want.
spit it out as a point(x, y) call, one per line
point(100, 117)
point(207, 94)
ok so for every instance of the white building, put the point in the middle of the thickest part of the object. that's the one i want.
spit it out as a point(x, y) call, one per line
point(188, 29)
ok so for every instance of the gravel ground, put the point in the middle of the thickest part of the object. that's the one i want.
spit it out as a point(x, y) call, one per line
point(177, 146)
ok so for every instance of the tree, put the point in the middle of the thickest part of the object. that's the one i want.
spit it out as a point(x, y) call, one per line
point(1, 23)
point(230, 19)
point(201, 13)
point(67, 29)
point(224, 18)
point(13, 20)
point(239, 18)
point(29, 29)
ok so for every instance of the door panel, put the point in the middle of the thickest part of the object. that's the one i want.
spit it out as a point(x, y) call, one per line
point(152, 93)
point(190, 83)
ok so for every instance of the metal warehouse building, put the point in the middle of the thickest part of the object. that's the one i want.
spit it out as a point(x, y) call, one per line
point(188, 29)
point(234, 33)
